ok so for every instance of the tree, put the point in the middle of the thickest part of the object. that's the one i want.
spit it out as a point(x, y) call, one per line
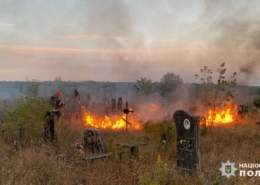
point(28, 115)
point(32, 88)
point(256, 100)
point(144, 86)
point(219, 93)
point(169, 82)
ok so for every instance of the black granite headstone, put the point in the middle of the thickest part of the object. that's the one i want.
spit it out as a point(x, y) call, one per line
point(188, 140)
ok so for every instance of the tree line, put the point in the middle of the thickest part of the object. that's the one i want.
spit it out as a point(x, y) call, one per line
point(168, 83)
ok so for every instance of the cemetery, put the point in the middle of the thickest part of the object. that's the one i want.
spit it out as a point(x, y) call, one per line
point(124, 92)
point(112, 147)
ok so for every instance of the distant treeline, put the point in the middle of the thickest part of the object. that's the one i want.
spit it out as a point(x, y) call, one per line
point(9, 89)
point(97, 90)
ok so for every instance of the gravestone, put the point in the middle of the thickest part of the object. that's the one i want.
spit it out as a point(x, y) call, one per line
point(240, 110)
point(93, 141)
point(188, 140)
point(246, 110)
point(203, 122)
point(119, 103)
point(113, 105)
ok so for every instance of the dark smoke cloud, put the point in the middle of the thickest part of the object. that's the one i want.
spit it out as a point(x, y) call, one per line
point(232, 26)
point(112, 19)
point(248, 70)
point(232, 30)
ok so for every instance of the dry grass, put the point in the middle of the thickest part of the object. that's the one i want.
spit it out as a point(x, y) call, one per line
point(30, 163)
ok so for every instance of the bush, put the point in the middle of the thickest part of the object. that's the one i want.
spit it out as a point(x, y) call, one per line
point(218, 94)
point(159, 177)
point(257, 102)
point(28, 116)
point(155, 130)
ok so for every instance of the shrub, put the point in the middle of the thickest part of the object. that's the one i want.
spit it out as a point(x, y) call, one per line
point(159, 177)
point(28, 116)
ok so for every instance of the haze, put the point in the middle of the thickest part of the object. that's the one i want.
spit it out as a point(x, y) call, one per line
point(123, 40)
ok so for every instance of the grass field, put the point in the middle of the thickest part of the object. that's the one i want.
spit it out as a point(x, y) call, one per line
point(33, 162)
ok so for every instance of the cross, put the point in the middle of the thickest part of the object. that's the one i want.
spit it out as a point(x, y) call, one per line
point(126, 111)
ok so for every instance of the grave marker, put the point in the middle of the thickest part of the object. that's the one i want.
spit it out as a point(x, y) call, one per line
point(188, 140)
point(93, 141)
point(119, 103)
point(113, 105)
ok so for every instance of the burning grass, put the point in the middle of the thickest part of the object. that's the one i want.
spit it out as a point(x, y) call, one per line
point(226, 115)
point(115, 122)
point(31, 164)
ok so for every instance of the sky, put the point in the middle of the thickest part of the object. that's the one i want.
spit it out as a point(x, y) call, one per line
point(124, 40)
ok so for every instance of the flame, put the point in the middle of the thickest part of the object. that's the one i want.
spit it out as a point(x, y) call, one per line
point(221, 116)
point(115, 122)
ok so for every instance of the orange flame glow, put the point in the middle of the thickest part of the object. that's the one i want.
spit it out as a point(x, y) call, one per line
point(223, 116)
point(115, 122)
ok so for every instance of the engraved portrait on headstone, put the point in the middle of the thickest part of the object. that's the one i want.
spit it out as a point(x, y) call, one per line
point(188, 140)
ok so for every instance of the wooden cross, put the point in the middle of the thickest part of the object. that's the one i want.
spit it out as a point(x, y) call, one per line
point(127, 111)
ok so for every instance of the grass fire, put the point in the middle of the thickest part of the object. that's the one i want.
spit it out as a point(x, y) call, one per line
point(221, 116)
point(122, 92)
point(116, 122)
point(162, 133)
